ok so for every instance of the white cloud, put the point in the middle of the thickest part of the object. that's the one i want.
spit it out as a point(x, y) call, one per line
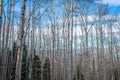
point(112, 2)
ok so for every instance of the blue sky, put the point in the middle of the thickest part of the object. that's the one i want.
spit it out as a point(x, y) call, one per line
point(112, 2)
point(114, 9)
point(114, 5)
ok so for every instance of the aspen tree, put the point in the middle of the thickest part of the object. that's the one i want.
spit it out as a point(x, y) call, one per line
point(32, 49)
point(0, 35)
point(1, 5)
point(5, 51)
point(20, 42)
point(71, 50)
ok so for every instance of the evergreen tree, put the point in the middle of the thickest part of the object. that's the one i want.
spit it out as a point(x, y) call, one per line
point(24, 70)
point(79, 73)
point(8, 63)
point(13, 61)
point(36, 72)
point(47, 70)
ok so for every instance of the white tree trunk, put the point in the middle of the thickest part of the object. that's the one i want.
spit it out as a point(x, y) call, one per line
point(20, 42)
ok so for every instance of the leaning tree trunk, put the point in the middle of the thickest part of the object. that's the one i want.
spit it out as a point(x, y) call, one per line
point(20, 41)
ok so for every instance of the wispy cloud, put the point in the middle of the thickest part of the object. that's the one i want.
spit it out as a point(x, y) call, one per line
point(112, 2)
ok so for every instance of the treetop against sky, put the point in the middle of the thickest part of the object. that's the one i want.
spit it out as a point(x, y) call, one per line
point(113, 5)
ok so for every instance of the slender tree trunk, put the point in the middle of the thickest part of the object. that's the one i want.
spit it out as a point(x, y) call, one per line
point(5, 51)
point(20, 42)
point(0, 24)
point(1, 35)
point(71, 50)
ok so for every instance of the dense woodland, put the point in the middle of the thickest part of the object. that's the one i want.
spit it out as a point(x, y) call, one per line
point(58, 40)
